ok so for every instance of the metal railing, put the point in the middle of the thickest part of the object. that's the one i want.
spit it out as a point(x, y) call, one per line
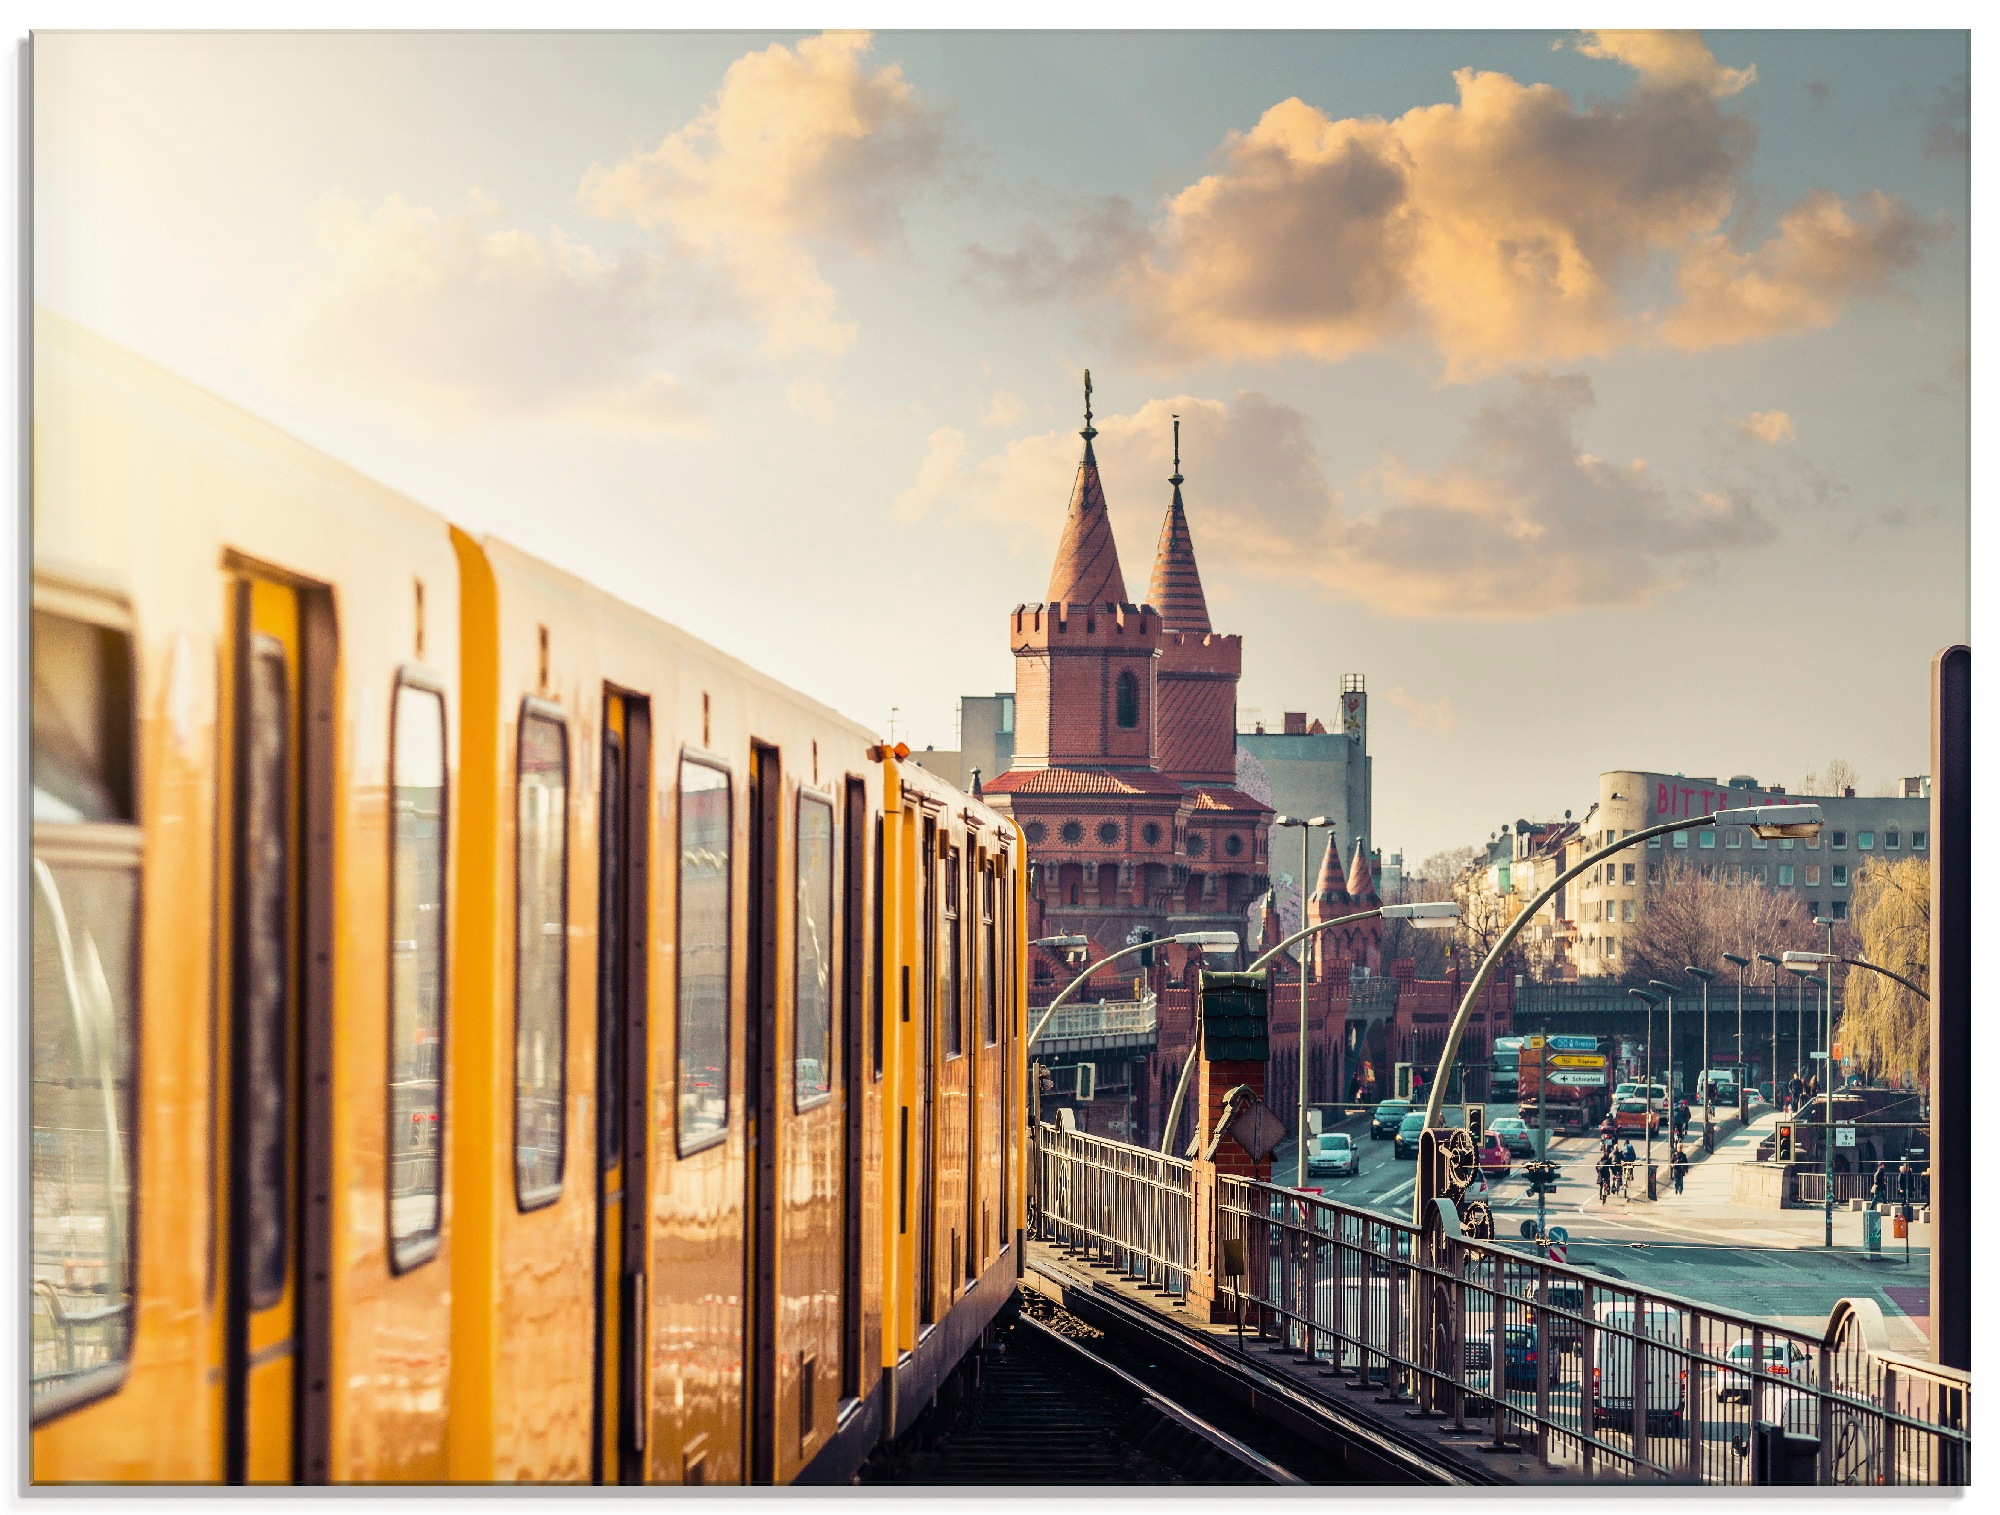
point(1108, 1018)
point(1592, 1376)
point(1117, 1204)
point(1809, 1187)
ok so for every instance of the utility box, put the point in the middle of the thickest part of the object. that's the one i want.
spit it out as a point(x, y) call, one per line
point(1235, 1020)
point(1785, 1457)
point(1871, 1229)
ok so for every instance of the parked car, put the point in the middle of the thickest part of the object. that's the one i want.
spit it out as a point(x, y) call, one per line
point(1495, 1161)
point(1783, 1358)
point(1334, 1153)
point(1632, 1115)
point(1387, 1117)
point(1514, 1132)
point(1410, 1134)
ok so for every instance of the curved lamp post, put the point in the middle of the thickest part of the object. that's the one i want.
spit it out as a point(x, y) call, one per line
point(1652, 1000)
point(1707, 1084)
point(1425, 914)
point(1742, 1070)
point(1804, 969)
point(1777, 967)
point(1765, 820)
point(1305, 828)
point(1854, 962)
point(1667, 990)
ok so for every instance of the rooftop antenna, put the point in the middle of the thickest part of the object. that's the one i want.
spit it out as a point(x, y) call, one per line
point(1089, 431)
point(1177, 480)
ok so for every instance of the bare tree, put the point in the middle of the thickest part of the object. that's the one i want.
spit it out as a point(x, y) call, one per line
point(1693, 916)
point(1888, 1027)
point(1443, 867)
point(1429, 950)
point(1837, 777)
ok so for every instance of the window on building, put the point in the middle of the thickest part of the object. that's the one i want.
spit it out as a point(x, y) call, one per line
point(1812, 875)
point(1840, 910)
point(1150, 832)
point(1233, 845)
point(1732, 837)
point(1681, 839)
point(1611, 946)
point(1840, 875)
point(1107, 833)
point(1785, 876)
point(1812, 844)
point(702, 1008)
point(1865, 840)
point(1919, 840)
point(1072, 832)
point(1128, 700)
point(1812, 909)
point(1653, 841)
point(1631, 873)
point(1036, 832)
point(1891, 840)
point(1763, 875)
point(1629, 907)
point(1708, 837)
point(1757, 843)
point(541, 957)
point(1786, 844)
point(1652, 873)
point(1839, 839)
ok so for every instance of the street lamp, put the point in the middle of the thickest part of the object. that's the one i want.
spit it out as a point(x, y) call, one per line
point(1805, 971)
point(1742, 1068)
point(1707, 1081)
point(1425, 915)
point(1651, 1001)
point(1668, 990)
point(1305, 867)
point(1801, 820)
point(1856, 962)
point(1064, 942)
point(1777, 964)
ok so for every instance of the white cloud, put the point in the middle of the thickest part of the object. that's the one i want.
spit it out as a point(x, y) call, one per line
point(1003, 409)
point(457, 318)
point(802, 149)
point(811, 399)
point(1768, 426)
point(1522, 523)
point(1435, 716)
point(1508, 226)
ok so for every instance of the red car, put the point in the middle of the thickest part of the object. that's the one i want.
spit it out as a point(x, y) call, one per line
point(1495, 1161)
point(1631, 1116)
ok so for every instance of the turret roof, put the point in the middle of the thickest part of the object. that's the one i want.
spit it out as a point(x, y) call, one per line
point(1086, 569)
point(1330, 893)
point(1361, 877)
point(1176, 588)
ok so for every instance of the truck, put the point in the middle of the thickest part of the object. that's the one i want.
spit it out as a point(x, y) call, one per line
point(1504, 1087)
point(1613, 1371)
point(1570, 1075)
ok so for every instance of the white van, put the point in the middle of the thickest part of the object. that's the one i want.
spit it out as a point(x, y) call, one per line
point(1611, 1370)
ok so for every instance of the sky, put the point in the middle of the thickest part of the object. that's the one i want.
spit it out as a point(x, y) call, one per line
point(1601, 398)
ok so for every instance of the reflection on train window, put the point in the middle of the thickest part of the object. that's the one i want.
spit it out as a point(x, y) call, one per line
point(702, 1032)
point(812, 1012)
point(416, 972)
point(990, 997)
point(84, 886)
point(262, 1009)
point(541, 966)
point(954, 1026)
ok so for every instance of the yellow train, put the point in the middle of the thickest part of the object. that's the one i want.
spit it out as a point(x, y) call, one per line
point(479, 1032)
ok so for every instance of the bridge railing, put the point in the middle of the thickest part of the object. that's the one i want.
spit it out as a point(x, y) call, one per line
point(1117, 1204)
point(1591, 1375)
point(1108, 1018)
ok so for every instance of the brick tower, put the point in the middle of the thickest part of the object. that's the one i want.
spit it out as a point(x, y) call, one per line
point(1124, 766)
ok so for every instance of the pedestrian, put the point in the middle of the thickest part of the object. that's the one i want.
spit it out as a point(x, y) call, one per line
point(1904, 1189)
point(1678, 1164)
point(1878, 1187)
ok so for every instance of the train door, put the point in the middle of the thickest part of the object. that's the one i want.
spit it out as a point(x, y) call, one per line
point(624, 804)
point(274, 1033)
point(761, 1116)
point(927, 1155)
point(854, 916)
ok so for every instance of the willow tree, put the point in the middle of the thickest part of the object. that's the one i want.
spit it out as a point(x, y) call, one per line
point(1887, 1027)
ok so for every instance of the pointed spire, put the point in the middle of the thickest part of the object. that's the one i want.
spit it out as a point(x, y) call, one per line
point(1361, 878)
point(1176, 588)
point(1273, 928)
point(1329, 896)
point(1086, 571)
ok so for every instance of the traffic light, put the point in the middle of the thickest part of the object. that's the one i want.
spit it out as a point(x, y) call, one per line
point(1786, 1149)
point(1475, 1122)
point(1402, 1081)
point(1541, 1177)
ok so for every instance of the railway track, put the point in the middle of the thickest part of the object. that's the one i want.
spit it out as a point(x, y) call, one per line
point(1041, 1404)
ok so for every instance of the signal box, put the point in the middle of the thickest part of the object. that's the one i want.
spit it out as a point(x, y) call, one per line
point(1235, 1020)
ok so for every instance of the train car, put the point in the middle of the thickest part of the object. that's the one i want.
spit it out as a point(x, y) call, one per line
point(479, 1032)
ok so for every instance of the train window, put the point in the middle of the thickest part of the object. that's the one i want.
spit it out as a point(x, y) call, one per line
point(951, 1011)
point(416, 972)
point(702, 1026)
point(812, 956)
point(541, 956)
point(82, 1022)
point(990, 998)
point(876, 990)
